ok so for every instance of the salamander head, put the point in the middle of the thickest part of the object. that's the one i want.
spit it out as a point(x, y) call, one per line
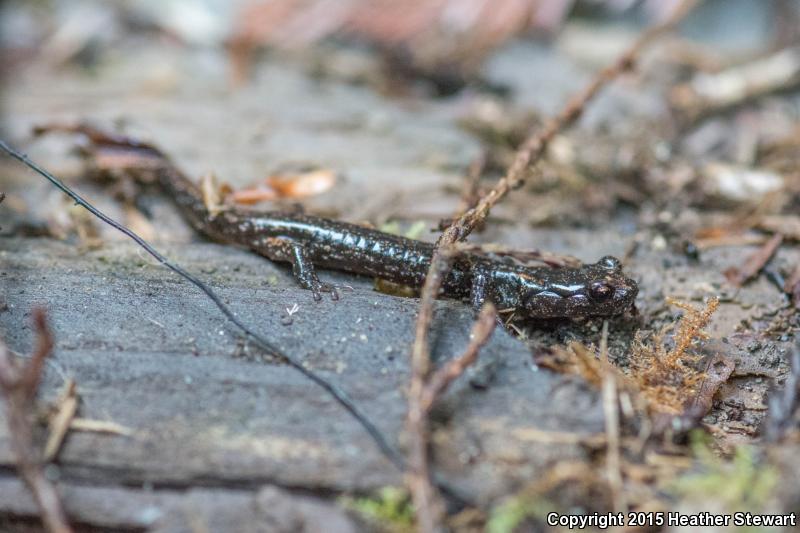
point(599, 289)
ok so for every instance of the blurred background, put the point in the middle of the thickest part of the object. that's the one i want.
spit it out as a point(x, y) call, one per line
point(446, 41)
point(243, 89)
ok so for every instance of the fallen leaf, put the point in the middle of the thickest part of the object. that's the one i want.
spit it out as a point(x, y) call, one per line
point(755, 262)
point(253, 195)
point(303, 184)
point(792, 286)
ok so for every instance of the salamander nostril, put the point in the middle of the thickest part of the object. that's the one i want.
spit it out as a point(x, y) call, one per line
point(600, 291)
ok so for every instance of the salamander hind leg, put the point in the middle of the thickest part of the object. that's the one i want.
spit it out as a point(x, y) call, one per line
point(283, 249)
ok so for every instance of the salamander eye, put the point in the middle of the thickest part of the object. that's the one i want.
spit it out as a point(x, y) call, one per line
point(600, 291)
point(610, 262)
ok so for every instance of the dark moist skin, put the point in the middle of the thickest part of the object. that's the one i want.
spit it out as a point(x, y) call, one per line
point(308, 242)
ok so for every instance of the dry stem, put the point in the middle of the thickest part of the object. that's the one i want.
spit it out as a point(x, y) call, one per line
point(611, 415)
point(18, 384)
point(61, 421)
point(444, 376)
point(534, 147)
point(707, 94)
point(471, 193)
point(426, 386)
point(426, 499)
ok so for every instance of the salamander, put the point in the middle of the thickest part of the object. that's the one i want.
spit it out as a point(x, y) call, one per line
point(307, 242)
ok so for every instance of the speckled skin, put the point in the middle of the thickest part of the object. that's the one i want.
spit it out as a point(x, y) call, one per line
point(307, 241)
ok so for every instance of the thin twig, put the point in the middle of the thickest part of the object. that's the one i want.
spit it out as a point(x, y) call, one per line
point(526, 257)
point(61, 421)
point(100, 426)
point(707, 94)
point(426, 386)
point(534, 147)
point(470, 195)
point(611, 415)
point(792, 286)
point(383, 444)
point(442, 378)
point(19, 384)
point(755, 262)
point(427, 502)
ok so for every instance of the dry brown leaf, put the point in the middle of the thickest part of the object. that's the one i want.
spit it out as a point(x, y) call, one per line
point(754, 262)
point(303, 184)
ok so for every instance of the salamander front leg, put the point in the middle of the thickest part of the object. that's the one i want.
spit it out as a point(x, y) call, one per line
point(305, 273)
point(303, 269)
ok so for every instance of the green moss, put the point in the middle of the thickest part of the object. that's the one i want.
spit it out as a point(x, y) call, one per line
point(413, 232)
point(391, 509)
point(509, 515)
point(742, 483)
